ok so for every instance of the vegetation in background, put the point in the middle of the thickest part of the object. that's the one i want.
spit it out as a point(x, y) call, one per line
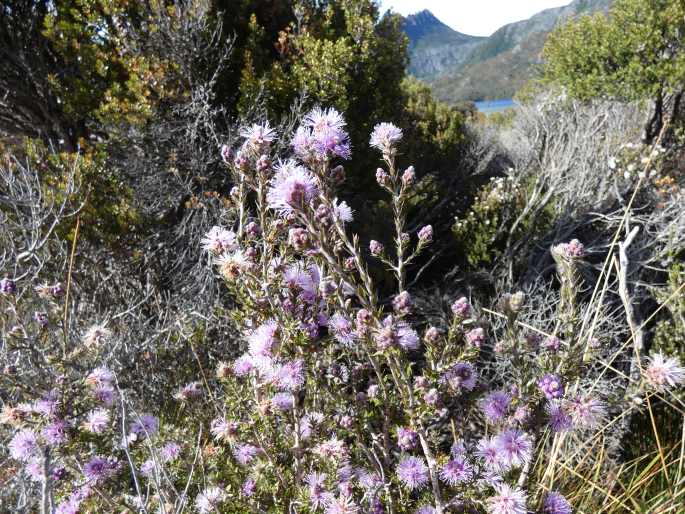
point(636, 53)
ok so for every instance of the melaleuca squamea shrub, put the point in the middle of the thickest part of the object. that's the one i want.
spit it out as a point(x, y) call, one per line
point(339, 403)
point(343, 401)
point(72, 434)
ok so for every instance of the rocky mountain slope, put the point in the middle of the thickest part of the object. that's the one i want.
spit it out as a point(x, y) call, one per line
point(461, 67)
point(434, 47)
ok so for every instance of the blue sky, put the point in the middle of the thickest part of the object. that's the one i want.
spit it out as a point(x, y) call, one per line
point(475, 17)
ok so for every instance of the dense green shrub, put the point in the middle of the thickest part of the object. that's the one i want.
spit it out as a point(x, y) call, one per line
point(633, 54)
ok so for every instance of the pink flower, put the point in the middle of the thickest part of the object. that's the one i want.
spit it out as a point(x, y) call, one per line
point(258, 137)
point(209, 500)
point(456, 470)
point(23, 445)
point(219, 240)
point(385, 136)
point(100, 377)
point(515, 447)
point(586, 411)
point(223, 430)
point(508, 500)
point(146, 425)
point(664, 373)
point(292, 188)
point(262, 340)
point(245, 453)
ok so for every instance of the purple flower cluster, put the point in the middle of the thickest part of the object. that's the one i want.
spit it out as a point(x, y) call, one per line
point(98, 469)
point(7, 286)
point(322, 136)
point(555, 503)
point(495, 406)
point(456, 471)
point(407, 438)
point(461, 307)
point(412, 472)
point(291, 188)
point(385, 137)
point(328, 361)
point(395, 334)
point(551, 386)
point(461, 376)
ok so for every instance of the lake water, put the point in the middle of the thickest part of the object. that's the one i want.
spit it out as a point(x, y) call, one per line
point(490, 106)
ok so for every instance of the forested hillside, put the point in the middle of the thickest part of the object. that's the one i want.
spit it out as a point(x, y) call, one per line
point(468, 68)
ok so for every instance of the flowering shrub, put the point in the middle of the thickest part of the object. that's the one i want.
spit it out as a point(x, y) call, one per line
point(343, 401)
point(338, 403)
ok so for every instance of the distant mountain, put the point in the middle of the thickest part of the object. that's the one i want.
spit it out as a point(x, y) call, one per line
point(434, 47)
point(470, 68)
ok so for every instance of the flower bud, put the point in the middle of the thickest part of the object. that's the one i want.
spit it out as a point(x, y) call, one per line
point(226, 154)
point(253, 230)
point(571, 250)
point(327, 288)
point(512, 303)
point(426, 234)
point(402, 303)
point(475, 337)
point(263, 163)
point(346, 421)
point(364, 317)
point(298, 238)
point(41, 318)
point(382, 177)
point(57, 290)
point(338, 175)
point(223, 370)
point(420, 383)
point(461, 307)
point(241, 161)
point(409, 176)
point(323, 214)
point(376, 248)
point(7, 286)
point(432, 335)
point(372, 391)
point(552, 343)
point(407, 439)
point(432, 397)
point(551, 386)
